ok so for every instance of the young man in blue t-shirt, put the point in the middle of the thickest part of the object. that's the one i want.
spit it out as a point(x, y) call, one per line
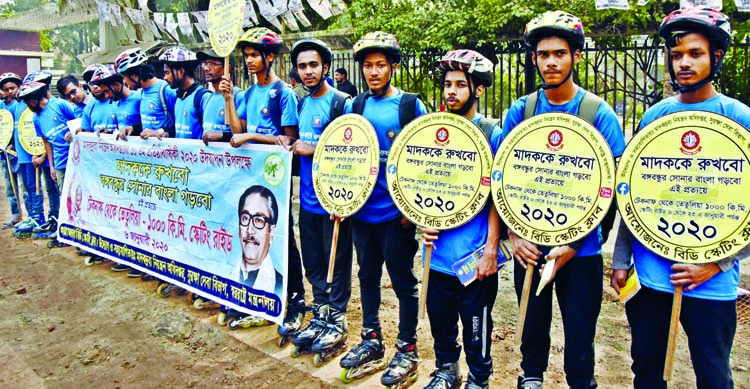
point(697, 40)
point(51, 123)
point(71, 89)
point(379, 232)
point(99, 114)
point(465, 75)
point(9, 83)
point(556, 39)
point(157, 98)
point(215, 128)
point(328, 329)
point(267, 114)
point(127, 103)
point(179, 71)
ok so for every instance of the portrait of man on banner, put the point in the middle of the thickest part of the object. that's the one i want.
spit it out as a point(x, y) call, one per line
point(258, 213)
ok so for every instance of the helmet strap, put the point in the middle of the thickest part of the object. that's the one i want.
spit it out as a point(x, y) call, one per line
point(312, 91)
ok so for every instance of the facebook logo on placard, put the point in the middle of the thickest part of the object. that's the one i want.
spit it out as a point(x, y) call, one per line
point(623, 188)
point(391, 169)
point(497, 175)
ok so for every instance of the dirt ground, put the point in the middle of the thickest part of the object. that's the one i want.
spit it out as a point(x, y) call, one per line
point(65, 325)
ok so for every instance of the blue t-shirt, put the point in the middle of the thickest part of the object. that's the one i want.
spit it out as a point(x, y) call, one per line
point(383, 114)
point(653, 270)
point(213, 117)
point(11, 109)
point(52, 125)
point(99, 115)
point(457, 243)
point(79, 109)
point(258, 114)
point(187, 125)
point(23, 156)
point(153, 115)
point(314, 115)
point(128, 110)
point(606, 122)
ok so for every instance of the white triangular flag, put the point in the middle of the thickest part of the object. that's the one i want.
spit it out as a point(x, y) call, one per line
point(171, 26)
point(186, 28)
point(322, 7)
point(289, 19)
point(715, 4)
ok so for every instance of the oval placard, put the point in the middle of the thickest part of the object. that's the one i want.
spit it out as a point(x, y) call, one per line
point(553, 179)
point(682, 185)
point(27, 136)
point(6, 128)
point(438, 170)
point(225, 24)
point(345, 164)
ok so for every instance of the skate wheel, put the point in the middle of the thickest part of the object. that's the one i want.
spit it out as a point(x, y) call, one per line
point(197, 304)
point(163, 290)
point(295, 353)
point(283, 340)
point(317, 360)
point(88, 261)
point(345, 376)
point(51, 244)
point(233, 325)
point(193, 298)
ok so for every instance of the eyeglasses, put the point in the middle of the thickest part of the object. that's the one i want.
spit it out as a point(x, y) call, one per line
point(259, 221)
point(210, 64)
point(72, 93)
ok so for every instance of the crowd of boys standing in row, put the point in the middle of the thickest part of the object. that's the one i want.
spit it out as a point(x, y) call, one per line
point(129, 100)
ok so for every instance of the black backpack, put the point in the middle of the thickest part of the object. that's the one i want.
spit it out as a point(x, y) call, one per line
point(407, 109)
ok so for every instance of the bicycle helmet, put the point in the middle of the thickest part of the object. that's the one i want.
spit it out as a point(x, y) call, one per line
point(10, 77)
point(32, 90)
point(711, 23)
point(554, 23)
point(39, 76)
point(325, 57)
point(86, 75)
point(377, 41)
point(105, 75)
point(261, 39)
point(474, 64)
point(179, 56)
point(130, 59)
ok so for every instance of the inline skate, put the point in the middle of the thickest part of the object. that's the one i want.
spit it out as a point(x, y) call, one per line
point(366, 358)
point(446, 376)
point(200, 302)
point(402, 370)
point(295, 315)
point(25, 228)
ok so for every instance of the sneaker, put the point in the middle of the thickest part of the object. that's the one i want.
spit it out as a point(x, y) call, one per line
point(134, 273)
point(529, 382)
point(118, 267)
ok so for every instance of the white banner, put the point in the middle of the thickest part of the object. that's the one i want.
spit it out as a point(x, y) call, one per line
point(201, 24)
point(186, 27)
point(251, 18)
point(322, 7)
point(742, 5)
point(210, 219)
point(715, 4)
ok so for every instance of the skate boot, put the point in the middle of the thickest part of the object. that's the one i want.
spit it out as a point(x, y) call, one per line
point(46, 230)
point(92, 259)
point(166, 289)
point(9, 224)
point(304, 338)
point(525, 382)
point(472, 383)
point(25, 228)
point(447, 376)
point(367, 357)
point(402, 370)
point(295, 315)
point(243, 320)
point(332, 341)
point(200, 302)
point(53, 242)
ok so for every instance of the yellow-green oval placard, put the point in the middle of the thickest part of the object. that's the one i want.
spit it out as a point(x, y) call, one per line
point(6, 128)
point(438, 170)
point(225, 24)
point(553, 179)
point(345, 164)
point(682, 186)
point(27, 136)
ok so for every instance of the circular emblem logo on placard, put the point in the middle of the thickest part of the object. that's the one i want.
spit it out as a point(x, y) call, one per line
point(348, 135)
point(555, 140)
point(76, 152)
point(690, 143)
point(441, 136)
